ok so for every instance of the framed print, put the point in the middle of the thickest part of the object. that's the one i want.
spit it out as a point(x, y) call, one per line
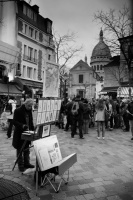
point(48, 105)
point(44, 105)
point(51, 80)
point(43, 118)
point(52, 105)
point(56, 104)
point(46, 131)
point(40, 105)
point(39, 116)
point(47, 117)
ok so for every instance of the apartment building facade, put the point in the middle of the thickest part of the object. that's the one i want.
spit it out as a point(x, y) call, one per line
point(33, 37)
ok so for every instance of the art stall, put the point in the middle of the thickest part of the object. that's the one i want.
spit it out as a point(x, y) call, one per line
point(49, 161)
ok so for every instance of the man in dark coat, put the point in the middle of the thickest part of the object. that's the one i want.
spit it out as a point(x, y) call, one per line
point(68, 114)
point(78, 118)
point(23, 120)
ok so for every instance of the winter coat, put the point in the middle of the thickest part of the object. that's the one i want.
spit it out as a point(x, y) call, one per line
point(100, 115)
point(130, 109)
point(19, 120)
point(87, 111)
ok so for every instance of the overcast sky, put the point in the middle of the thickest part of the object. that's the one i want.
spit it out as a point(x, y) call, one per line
point(77, 16)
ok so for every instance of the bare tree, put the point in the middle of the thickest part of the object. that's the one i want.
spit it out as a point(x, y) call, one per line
point(118, 28)
point(118, 73)
point(116, 24)
point(65, 48)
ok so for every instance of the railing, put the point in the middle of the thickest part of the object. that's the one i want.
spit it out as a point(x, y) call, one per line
point(29, 58)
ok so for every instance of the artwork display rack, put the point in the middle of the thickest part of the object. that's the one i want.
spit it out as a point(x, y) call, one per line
point(47, 150)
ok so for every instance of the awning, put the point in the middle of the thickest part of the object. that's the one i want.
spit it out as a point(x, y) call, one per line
point(9, 89)
point(124, 91)
point(28, 83)
point(109, 89)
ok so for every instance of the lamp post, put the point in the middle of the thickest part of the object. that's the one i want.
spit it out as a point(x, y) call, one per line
point(65, 77)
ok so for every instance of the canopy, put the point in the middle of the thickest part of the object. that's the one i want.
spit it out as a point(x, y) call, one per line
point(124, 91)
point(9, 89)
point(109, 89)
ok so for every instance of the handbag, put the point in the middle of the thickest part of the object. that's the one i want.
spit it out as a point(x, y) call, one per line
point(107, 115)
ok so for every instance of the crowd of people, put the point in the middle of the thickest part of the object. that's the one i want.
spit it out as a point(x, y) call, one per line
point(103, 113)
point(77, 115)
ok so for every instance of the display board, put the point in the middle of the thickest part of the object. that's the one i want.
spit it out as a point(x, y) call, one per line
point(48, 111)
point(47, 151)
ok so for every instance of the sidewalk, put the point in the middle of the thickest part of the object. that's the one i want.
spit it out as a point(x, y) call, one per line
point(104, 170)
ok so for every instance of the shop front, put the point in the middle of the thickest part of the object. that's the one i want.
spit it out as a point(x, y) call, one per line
point(110, 91)
point(30, 88)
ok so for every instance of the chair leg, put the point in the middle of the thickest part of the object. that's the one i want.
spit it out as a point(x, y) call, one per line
point(49, 179)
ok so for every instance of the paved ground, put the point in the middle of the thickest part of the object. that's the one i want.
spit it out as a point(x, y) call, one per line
point(104, 169)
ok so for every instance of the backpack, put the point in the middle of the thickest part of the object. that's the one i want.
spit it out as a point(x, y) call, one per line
point(75, 108)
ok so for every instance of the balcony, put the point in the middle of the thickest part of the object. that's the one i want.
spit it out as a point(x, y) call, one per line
point(29, 59)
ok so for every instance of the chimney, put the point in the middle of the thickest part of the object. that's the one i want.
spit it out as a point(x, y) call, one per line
point(85, 58)
point(36, 8)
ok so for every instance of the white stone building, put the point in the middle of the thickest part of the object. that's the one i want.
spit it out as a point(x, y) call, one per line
point(100, 57)
point(82, 80)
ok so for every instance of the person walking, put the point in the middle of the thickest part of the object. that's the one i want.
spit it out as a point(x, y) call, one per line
point(13, 103)
point(23, 120)
point(86, 116)
point(100, 117)
point(68, 114)
point(77, 117)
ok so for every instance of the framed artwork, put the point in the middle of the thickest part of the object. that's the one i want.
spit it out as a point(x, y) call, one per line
point(51, 80)
point(46, 131)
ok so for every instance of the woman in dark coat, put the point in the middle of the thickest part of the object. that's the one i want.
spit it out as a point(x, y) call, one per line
point(23, 120)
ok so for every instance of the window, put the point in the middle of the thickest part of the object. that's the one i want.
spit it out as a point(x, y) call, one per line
point(26, 29)
point(25, 50)
point(34, 75)
point(101, 67)
point(18, 67)
point(29, 13)
point(30, 53)
point(24, 71)
point(24, 9)
point(49, 27)
point(30, 32)
point(97, 67)
point(49, 57)
point(35, 16)
point(81, 78)
point(29, 72)
point(36, 35)
point(35, 55)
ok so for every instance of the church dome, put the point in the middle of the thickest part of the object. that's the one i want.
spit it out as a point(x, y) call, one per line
point(101, 49)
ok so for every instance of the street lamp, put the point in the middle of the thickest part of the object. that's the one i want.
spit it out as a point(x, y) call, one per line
point(65, 77)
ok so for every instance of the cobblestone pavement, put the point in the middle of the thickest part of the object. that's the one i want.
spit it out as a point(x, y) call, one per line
point(104, 168)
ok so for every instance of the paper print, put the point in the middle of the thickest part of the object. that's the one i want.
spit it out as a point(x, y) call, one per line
point(51, 80)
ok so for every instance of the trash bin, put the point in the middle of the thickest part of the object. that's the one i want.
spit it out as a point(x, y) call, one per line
point(10, 190)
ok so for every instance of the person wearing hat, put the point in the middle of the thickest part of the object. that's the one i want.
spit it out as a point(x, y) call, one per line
point(77, 117)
